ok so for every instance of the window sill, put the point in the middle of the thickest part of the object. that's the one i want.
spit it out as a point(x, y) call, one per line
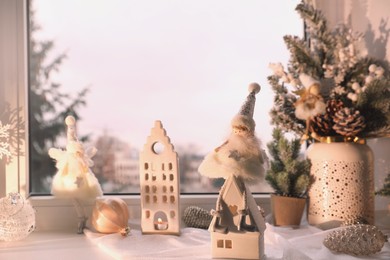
point(303, 243)
point(54, 214)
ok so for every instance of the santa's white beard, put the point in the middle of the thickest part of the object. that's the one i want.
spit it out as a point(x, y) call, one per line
point(239, 156)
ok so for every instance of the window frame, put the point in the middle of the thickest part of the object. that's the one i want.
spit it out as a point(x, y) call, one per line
point(13, 86)
point(51, 213)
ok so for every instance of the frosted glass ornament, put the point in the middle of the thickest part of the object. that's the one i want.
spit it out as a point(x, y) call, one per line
point(17, 217)
point(111, 215)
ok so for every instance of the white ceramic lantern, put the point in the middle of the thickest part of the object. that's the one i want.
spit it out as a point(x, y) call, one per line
point(343, 185)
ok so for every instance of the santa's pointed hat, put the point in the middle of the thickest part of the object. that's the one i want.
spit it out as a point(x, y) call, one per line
point(244, 118)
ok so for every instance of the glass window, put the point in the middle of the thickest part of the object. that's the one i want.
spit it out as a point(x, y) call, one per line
point(120, 65)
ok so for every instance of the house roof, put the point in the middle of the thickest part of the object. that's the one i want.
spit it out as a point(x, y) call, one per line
point(234, 193)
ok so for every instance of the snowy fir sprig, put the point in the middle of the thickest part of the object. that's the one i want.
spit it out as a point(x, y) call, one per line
point(330, 87)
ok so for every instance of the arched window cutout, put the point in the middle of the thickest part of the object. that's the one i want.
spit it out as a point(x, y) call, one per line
point(158, 148)
point(160, 221)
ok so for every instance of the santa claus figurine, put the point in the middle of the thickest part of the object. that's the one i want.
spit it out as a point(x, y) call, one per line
point(240, 160)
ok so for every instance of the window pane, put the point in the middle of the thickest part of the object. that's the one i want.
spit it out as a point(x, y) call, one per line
point(120, 65)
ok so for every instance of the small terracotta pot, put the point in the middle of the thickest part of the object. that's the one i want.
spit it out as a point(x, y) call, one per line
point(287, 211)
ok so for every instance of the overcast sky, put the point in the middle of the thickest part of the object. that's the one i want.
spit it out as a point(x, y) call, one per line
point(185, 62)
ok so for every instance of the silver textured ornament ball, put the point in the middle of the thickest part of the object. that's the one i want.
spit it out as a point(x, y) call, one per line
point(354, 221)
point(17, 218)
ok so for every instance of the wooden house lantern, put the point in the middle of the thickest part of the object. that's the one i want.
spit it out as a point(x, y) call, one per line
point(237, 229)
point(160, 184)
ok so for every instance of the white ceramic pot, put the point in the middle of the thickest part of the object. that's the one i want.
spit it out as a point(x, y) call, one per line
point(343, 185)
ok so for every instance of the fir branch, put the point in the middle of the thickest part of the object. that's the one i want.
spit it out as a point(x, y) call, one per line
point(374, 104)
point(319, 36)
point(301, 56)
point(317, 22)
point(283, 113)
point(357, 72)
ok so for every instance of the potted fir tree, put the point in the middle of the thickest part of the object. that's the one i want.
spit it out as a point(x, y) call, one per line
point(290, 177)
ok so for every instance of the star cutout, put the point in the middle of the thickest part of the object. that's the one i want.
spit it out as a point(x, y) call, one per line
point(31, 229)
point(79, 182)
point(235, 155)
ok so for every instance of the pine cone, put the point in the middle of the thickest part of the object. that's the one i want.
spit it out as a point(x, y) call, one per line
point(333, 106)
point(358, 240)
point(322, 125)
point(348, 122)
point(197, 217)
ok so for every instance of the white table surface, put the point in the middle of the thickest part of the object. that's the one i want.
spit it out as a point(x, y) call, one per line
point(53, 246)
point(280, 243)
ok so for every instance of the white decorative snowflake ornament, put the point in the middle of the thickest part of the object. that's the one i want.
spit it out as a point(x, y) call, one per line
point(4, 140)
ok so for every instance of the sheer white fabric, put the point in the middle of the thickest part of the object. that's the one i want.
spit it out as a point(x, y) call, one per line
point(280, 243)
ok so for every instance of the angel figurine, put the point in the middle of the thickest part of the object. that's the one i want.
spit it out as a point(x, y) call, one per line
point(74, 178)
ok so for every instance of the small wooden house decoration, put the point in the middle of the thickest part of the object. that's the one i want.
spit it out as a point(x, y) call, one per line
point(160, 184)
point(237, 230)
